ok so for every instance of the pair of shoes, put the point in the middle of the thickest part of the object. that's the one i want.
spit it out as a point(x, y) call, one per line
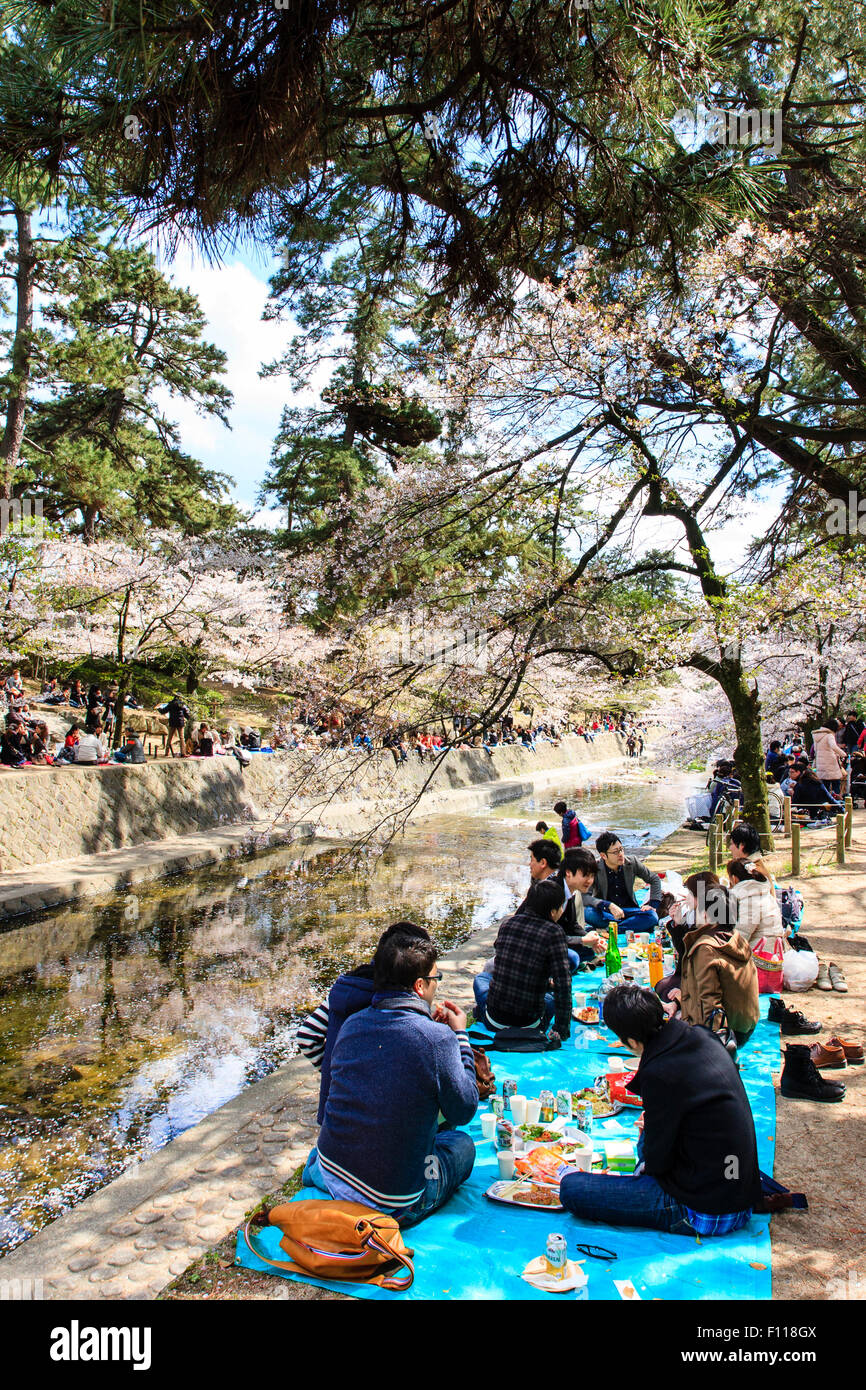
point(801, 1079)
point(837, 979)
point(791, 1020)
point(827, 1056)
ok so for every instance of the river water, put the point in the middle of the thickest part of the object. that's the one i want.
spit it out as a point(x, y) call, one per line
point(123, 1025)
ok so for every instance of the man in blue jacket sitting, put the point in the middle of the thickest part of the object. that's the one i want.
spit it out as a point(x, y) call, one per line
point(394, 1068)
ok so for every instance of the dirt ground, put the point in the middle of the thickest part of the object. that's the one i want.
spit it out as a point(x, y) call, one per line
point(820, 1148)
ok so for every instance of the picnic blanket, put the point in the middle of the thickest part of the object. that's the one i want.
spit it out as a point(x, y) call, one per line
point(473, 1248)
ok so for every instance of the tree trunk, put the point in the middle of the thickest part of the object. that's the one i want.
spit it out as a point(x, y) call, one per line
point(745, 706)
point(25, 279)
point(119, 704)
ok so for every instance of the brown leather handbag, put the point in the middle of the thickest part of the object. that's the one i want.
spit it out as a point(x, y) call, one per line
point(339, 1240)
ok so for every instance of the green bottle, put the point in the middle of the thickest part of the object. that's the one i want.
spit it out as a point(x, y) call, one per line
point(613, 959)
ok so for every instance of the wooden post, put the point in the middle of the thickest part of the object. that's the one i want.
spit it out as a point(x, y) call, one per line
point(714, 847)
point(795, 849)
point(786, 814)
point(840, 839)
point(849, 820)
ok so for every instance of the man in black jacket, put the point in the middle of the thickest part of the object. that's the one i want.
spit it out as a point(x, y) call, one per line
point(530, 954)
point(699, 1173)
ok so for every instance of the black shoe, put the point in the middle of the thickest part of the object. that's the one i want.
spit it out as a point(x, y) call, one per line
point(801, 1079)
point(791, 1020)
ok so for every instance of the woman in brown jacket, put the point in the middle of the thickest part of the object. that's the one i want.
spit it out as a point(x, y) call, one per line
point(717, 969)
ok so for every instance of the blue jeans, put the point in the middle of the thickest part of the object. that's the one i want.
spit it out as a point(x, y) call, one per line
point(636, 919)
point(624, 1201)
point(453, 1158)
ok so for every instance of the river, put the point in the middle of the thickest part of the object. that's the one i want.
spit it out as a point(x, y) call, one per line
point(125, 1024)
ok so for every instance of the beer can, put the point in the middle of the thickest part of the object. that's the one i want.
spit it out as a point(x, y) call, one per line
point(548, 1107)
point(499, 1104)
point(509, 1089)
point(502, 1134)
point(556, 1255)
point(584, 1116)
point(563, 1103)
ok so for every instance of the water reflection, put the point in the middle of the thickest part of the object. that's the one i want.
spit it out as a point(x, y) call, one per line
point(121, 1029)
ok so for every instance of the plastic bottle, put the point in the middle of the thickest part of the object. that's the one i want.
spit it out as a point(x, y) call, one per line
point(656, 963)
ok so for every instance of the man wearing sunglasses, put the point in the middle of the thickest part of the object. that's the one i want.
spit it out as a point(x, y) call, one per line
point(395, 1067)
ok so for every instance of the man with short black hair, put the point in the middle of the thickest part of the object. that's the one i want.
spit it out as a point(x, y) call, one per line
point(577, 875)
point(544, 859)
point(612, 897)
point(698, 1173)
point(394, 1067)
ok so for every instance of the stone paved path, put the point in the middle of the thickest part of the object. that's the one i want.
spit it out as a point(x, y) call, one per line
point(134, 1236)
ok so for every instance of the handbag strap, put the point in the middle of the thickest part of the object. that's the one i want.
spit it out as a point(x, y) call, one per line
point(372, 1239)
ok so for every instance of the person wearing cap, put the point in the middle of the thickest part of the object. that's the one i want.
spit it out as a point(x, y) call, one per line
point(131, 752)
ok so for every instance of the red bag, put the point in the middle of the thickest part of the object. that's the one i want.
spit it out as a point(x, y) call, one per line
point(769, 965)
point(617, 1085)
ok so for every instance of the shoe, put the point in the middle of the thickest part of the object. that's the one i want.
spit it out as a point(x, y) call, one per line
point(827, 1057)
point(837, 979)
point(823, 980)
point(801, 1079)
point(853, 1051)
point(791, 1020)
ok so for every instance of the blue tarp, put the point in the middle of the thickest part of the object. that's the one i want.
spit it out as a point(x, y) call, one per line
point(476, 1249)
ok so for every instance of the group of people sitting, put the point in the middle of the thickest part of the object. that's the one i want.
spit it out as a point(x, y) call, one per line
point(817, 780)
point(398, 1076)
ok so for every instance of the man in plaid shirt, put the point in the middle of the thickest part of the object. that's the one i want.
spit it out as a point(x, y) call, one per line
point(530, 952)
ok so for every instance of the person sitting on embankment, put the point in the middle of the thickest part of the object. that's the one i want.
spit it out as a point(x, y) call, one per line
point(396, 1066)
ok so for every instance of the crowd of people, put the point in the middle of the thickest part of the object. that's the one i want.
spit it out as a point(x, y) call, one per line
point(398, 1074)
point(815, 772)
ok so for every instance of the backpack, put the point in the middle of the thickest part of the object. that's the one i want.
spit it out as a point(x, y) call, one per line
point(338, 1240)
point(517, 1040)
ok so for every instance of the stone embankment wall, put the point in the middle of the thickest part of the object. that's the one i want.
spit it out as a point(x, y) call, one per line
point(48, 814)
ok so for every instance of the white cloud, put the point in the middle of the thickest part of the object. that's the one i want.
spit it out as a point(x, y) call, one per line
point(232, 297)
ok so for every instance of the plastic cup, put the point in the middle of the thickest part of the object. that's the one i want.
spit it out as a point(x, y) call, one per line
point(518, 1109)
point(615, 1064)
point(505, 1158)
point(580, 1001)
point(488, 1124)
point(533, 1112)
point(582, 1160)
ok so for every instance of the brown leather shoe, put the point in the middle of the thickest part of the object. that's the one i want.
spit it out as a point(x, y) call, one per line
point(853, 1051)
point(827, 1056)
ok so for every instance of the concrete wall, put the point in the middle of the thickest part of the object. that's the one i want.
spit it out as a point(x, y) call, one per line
point(48, 814)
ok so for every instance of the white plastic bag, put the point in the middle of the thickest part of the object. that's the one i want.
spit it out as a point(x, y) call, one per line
point(799, 969)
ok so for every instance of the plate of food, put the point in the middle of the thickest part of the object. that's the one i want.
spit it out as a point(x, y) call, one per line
point(540, 1134)
point(602, 1106)
point(587, 1015)
point(541, 1196)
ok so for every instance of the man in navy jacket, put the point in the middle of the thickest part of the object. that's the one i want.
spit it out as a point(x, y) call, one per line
point(395, 1067)
point(700, 1155)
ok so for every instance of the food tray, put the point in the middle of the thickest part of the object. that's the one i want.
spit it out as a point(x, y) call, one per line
point(504, 1190)
point(588, 1022)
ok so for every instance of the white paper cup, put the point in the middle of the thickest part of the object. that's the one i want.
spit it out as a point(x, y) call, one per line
point(488, 1125)
point(582, 1161)
point(518, 1109)
point(533, 1111)
point(505, 1158)
point(615, 1064)
point(580, 1001)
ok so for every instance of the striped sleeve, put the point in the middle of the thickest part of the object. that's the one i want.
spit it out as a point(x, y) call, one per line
point(311, 1035)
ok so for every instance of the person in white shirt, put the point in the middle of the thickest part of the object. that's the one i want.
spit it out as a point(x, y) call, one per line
point(91, 747)
point(757, 910)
